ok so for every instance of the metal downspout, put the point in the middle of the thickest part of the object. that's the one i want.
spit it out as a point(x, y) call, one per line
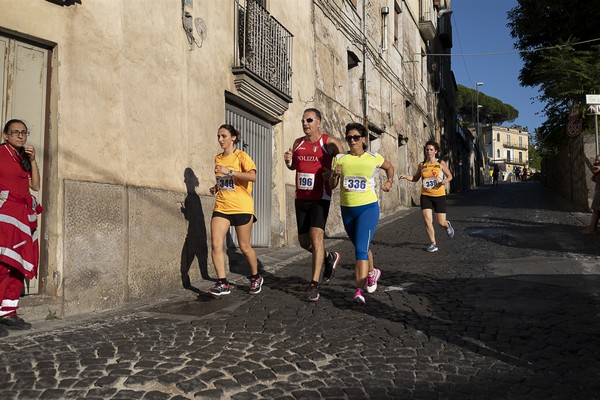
point(364, 77)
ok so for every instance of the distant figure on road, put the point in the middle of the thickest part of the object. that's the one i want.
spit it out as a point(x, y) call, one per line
point(524, 174)
point(357, 170)
point(434, 174)
point(495, 174)
point(310, 156)
point(593, 226)
point(491, 181)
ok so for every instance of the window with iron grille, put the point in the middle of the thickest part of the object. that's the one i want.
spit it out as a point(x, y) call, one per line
point(264, 46)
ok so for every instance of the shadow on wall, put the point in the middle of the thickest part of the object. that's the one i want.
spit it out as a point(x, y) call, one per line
point(195, 245)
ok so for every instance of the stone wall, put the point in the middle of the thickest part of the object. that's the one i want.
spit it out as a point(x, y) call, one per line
point(125, 244)
point(568, 172)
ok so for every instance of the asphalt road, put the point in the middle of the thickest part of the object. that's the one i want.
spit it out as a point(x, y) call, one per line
point(508, 309)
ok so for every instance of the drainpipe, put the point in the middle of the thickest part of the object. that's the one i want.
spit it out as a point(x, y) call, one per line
point(385, 11)
point(364, 54)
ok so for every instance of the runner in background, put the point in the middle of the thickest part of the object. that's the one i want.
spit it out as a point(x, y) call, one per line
point(434, 174)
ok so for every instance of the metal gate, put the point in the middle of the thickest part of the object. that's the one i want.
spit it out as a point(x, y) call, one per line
point(256, 140)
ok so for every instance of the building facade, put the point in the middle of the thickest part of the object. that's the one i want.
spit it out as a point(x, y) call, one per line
point(508, 147)
point(464, 160)
point(124, 99)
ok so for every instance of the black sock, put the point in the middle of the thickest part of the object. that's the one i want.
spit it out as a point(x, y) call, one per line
point(256, 276)
point(314, 283)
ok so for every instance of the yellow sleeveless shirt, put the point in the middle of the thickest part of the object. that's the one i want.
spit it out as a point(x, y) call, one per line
point(431, 178)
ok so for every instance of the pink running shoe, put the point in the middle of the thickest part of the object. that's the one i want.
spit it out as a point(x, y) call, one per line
point(372, 280)
point(359, 297)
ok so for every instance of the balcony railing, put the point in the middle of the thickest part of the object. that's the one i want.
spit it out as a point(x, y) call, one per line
point(515, 161)
point(264, 47)
point(515, 145)
point(427, 19)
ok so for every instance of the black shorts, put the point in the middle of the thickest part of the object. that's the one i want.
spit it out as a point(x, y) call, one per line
point(311, 214)
point(437, 204)
point(235, 219)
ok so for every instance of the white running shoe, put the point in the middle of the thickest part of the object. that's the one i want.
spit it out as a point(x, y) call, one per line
point(450, 230)
point(432, 247)
point(372, 280)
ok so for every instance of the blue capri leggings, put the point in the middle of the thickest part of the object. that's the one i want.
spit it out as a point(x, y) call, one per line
point(360, 223)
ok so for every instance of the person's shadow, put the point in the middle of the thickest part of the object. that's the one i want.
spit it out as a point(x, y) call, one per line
point(195, 245)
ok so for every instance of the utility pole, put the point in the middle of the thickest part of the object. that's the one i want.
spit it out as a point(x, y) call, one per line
point(479, 139)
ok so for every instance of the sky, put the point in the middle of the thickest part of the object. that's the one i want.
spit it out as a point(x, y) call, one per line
point(479, 26)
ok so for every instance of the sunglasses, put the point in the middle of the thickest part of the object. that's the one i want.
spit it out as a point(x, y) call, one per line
point(350, 138)
point(307, 120)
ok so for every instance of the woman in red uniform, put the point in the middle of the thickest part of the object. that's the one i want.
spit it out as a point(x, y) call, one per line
point(434, 174)
point(18, 220)
point(234, 206)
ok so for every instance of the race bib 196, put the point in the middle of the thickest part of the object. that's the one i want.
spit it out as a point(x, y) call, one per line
point(226, 182)
point(355, 183)
point(430, 183)
point(305, 181)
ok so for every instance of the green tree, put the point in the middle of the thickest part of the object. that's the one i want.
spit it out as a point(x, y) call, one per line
point(492, 110)
point(561, 57)
point(535, 159)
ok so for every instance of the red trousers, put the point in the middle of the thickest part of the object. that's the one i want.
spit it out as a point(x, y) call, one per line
point(11, 284)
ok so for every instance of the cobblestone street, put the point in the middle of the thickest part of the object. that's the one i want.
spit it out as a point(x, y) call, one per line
point(508, 309)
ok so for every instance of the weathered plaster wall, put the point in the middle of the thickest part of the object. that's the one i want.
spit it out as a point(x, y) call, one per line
point(95, 246)
point(131, 108)
point(126, 243)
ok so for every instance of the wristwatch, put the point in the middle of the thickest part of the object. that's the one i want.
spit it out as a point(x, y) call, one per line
point(230, 172)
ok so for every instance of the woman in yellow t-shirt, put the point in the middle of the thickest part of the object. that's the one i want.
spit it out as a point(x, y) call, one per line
point(434, 174)
point(234, 206)
point(356, 172)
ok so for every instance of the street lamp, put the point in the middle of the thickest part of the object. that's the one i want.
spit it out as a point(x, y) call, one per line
point(478, 106)
point(481, 147)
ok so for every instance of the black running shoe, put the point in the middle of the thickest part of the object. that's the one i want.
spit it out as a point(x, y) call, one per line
point(256, 285)
point(220, 289)
point(312, 293)
point(331, 263)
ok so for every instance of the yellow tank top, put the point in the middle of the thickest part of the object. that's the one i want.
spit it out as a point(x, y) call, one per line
point(431, 179)
point(234, 195)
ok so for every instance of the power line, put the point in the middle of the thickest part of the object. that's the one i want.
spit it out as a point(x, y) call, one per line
point(460, 45)
point(500, 53)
